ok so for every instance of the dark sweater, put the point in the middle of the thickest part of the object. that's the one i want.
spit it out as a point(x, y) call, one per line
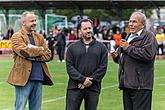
point(86, 62)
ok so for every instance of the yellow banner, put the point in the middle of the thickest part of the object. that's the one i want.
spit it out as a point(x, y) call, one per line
point(5, 44)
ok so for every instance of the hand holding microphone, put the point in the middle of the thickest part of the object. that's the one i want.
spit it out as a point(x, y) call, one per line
point(124, 44)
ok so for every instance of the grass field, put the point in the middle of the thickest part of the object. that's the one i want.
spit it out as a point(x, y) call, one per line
point(54, 96)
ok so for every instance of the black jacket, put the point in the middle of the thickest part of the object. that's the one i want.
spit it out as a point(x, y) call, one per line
point(61, 41)
point(82, 62)
point(136, 64)
point(51, 41)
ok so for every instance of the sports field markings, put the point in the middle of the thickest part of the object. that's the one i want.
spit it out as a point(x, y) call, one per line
point(53, 100)
point(107, 87)
point(160, 77)
point(8, 109)
point(161, 84)
point(63, 97)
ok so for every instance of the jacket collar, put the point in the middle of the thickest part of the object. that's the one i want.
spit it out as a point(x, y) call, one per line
point(24, 32)
point(91, 43)
point(25, 36)
point(143, 33)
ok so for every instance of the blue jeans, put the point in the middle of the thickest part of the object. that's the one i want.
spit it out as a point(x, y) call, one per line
point(32, 92)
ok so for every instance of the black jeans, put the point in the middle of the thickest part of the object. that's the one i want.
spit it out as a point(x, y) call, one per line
point(74, 99)
point(160, 46)
point(61, 52)
point(52, 52)
point(137, 99)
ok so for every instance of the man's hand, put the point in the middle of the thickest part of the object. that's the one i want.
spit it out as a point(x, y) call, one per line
point(114, 54)
point(42, 48)
point(88, 82)
point(81, 86)
point(31, 46)
point(124, 44)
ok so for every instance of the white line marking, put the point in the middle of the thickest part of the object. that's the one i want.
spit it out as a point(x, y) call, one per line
point(63, 97)
point(159, 77)
point(107, 87)
point(8, 109)
point(160, 84)
point(53, 100)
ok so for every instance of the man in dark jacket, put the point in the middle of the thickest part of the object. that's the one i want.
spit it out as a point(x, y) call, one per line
point(86, 62)
point(52, 41)
point(136, 56)
point(61, 42)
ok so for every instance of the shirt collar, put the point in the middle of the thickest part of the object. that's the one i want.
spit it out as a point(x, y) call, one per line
point(139, 32)
point(23, 31)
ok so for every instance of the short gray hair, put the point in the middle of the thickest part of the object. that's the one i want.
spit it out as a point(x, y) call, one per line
point(24, 15)
point(143, 16)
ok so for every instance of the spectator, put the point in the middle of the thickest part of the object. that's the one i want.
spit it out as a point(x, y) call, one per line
point(124, 33)
point(111, 45)
point(61, 43)
point(105, 32)
point(42, 32)
point(160, 39)
point(1, 36)
point(117, 37)
point(10, 32)
point(52, 41)
point(96, 25)
point(72, 37)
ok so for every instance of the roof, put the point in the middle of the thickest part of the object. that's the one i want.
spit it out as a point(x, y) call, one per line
point(81, 4)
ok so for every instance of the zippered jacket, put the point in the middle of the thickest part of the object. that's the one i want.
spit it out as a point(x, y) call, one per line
point(82, 62)
point(136, 63)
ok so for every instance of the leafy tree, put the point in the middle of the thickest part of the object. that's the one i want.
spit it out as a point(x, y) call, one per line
point(103, 14)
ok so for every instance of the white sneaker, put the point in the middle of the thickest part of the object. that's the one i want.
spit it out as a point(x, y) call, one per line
point(63, 60)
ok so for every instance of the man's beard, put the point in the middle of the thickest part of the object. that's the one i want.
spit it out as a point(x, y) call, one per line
point(32, 29)
point(89, 35)
point(87, 38)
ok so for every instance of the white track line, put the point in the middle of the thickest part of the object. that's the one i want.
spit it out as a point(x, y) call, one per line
point(53, 100)
point(63, 97)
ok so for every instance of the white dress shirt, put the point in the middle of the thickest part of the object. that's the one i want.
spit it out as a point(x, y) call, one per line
point(132, 36)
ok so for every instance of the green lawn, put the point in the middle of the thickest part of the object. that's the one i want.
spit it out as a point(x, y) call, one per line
point(54, 96)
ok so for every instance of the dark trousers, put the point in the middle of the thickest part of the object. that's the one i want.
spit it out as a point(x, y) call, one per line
point(74, 99)
point(61, 52)
point(52, 52)
point(137, 99)
point(160, 46)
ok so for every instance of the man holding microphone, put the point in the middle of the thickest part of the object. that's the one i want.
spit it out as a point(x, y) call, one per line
point(136, 56)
